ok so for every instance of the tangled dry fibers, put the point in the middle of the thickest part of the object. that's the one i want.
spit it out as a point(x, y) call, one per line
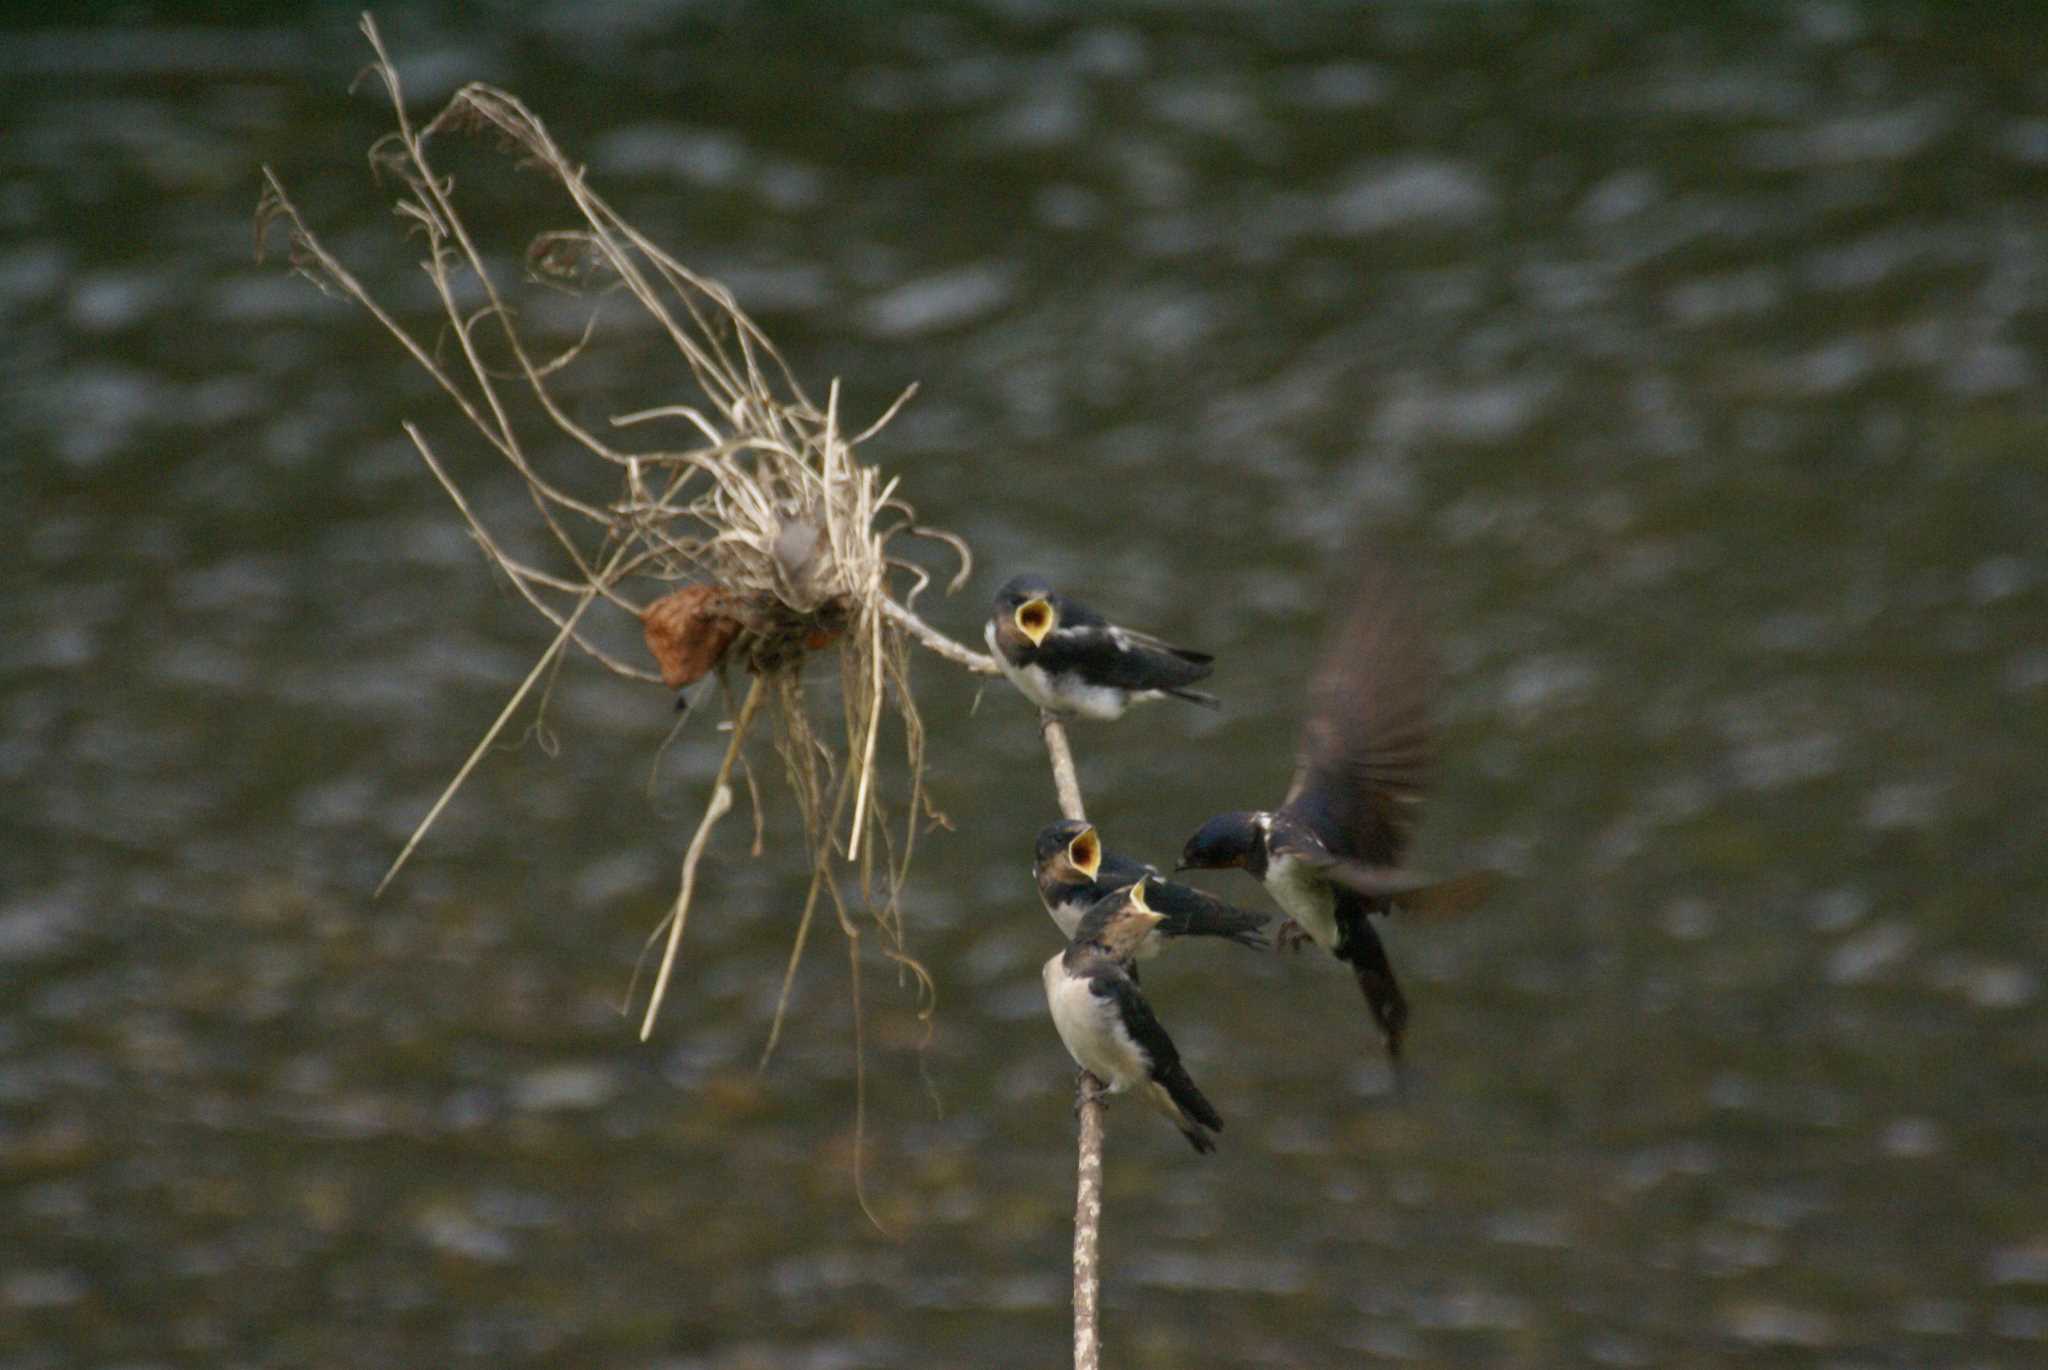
point(746, 484)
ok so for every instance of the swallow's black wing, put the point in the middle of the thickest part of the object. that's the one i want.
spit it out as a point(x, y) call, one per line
point(1114, 871)
point(1367, 748)
point(1193, 913)
point(1107, 980)
point(1151, 1038)
point(1104, 654)
point(1189, 912)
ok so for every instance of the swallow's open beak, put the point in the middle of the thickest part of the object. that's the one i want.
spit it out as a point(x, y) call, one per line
point(1034, 620)
point(1085, 851)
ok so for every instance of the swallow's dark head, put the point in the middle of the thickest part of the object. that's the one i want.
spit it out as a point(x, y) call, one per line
point(1068, 850)
point(1119, 922)
point(1027, 607)
point(1221, 843)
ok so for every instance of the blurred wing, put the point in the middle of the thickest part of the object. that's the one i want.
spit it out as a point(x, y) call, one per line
point(1298, 844)
point(1451, 898)
point(1379, 882)
point(1367, 747)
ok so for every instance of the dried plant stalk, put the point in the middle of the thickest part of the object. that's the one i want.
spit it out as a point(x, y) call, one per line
point(746, 485)
point(1088, 1108)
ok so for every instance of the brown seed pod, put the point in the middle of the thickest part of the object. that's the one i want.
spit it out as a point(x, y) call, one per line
point(688, 631)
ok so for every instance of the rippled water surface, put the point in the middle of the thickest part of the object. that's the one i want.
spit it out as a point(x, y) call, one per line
point(1694, 357)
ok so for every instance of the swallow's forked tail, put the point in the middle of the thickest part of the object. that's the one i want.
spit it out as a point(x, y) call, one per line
point(1174, 1094)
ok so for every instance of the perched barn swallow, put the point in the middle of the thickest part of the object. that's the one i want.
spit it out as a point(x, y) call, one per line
point(1108, 1027)
point(1330, 854)
point(1075, 873)
point(1069, 659)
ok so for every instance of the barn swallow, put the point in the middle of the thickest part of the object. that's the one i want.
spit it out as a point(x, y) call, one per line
point(1070, 660)
point(1108, 1027)
point(1075, 873)
point(1330, 854)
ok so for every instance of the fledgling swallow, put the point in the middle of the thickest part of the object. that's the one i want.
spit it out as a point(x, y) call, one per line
point(1108, 1027)
point(1075, 873)
point(1330, 854)
point(1070, 660)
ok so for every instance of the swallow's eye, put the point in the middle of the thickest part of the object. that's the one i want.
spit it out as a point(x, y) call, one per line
point(1035, 618)
point(1085, 852)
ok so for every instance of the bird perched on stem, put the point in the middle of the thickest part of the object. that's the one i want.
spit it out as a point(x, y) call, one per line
point(1330, 854)
point(1108, 1027)
point(1075, 873)
point(1070, 660)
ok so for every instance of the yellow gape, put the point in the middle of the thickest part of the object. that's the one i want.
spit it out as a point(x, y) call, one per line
point(1085, 851)
point(1138, 900)
point(1035, 620)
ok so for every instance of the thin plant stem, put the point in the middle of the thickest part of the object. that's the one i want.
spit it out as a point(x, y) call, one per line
point(540, 668)
point(721, 800)
point(1087, 1107)
point(1063, 777)
point(1087, 1222)
point(958, 653)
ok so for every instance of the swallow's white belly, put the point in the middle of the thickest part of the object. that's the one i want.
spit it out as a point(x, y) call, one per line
point(1093, 1030)
point(1063, 694)
point(1305, 897)
point(1078, 697)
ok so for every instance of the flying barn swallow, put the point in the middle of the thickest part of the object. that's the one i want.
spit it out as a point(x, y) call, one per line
point(1108, 1027)
point(1330, 854)
point(1075, 873)
point(1070, 660)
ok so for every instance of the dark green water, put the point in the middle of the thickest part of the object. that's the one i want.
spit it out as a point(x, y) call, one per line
point(1694, 353)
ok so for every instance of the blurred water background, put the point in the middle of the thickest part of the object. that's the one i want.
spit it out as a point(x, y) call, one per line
point(1693, 353)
